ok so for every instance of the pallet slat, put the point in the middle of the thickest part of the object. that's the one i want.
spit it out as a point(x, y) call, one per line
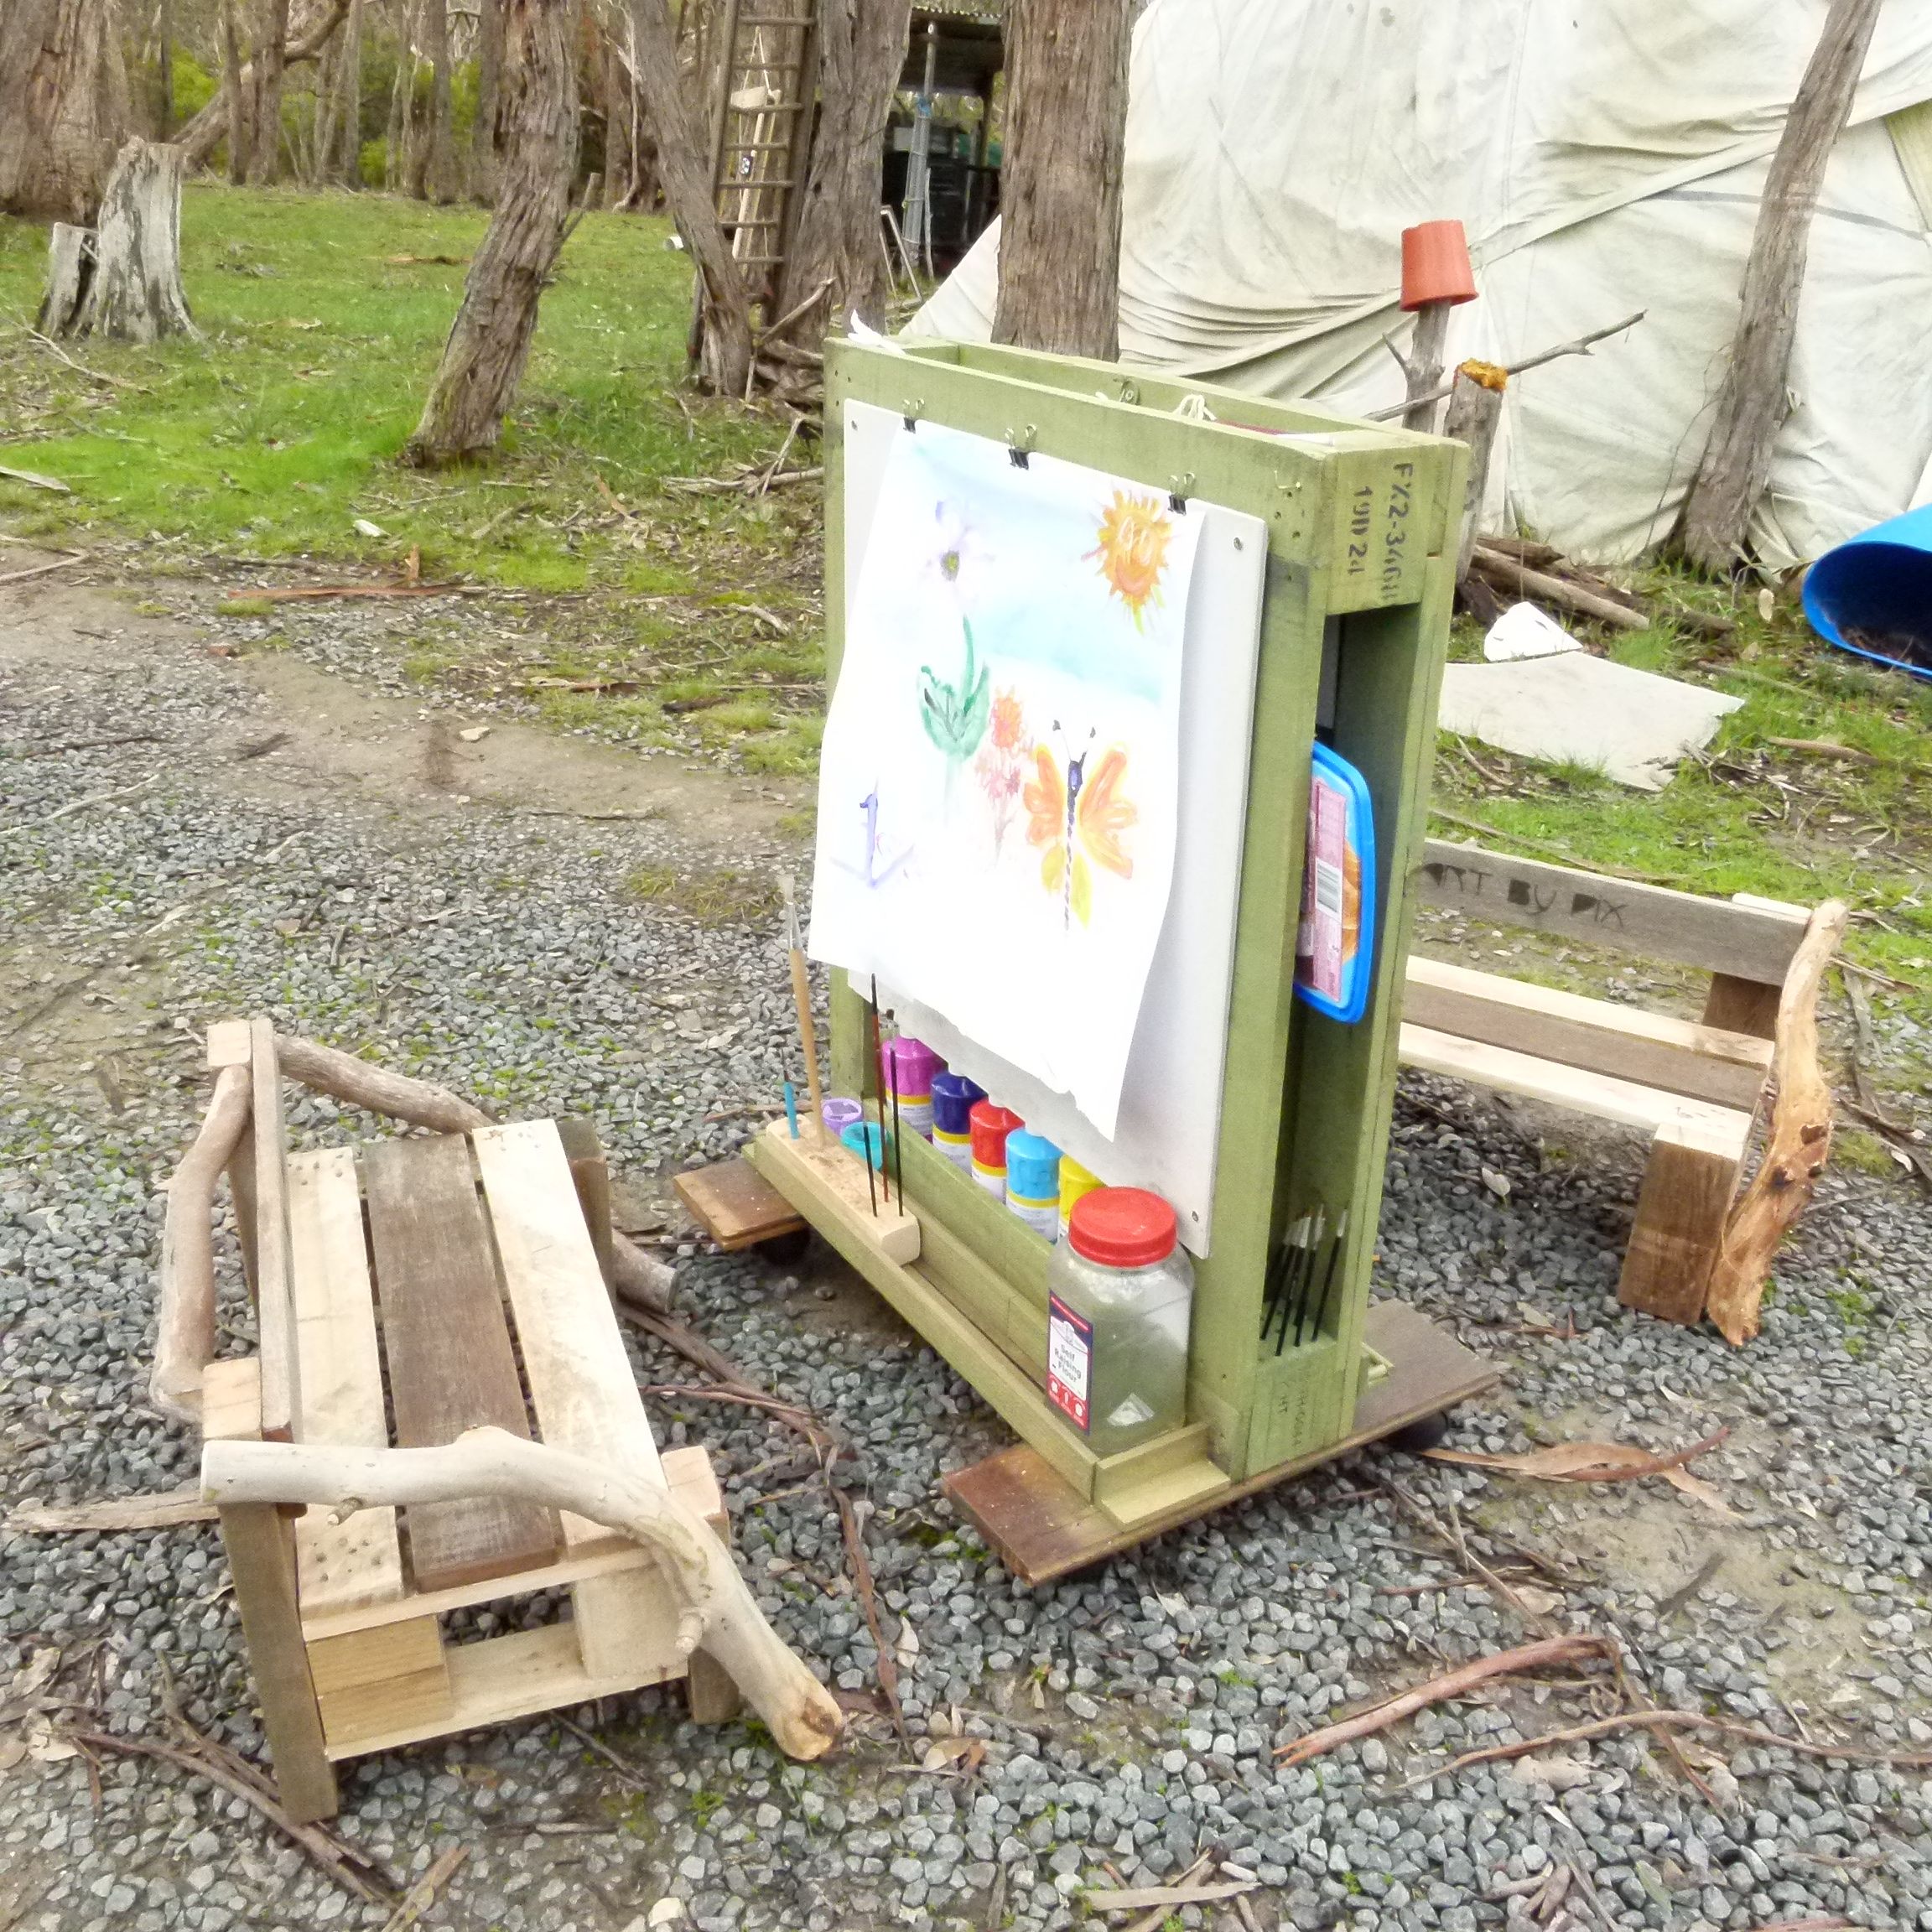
point(451, 1366)
point(359, 1560)
point(274, 1311)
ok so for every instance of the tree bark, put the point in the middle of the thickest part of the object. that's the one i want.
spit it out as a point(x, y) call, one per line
point(483, 137)
point(167, 33)
point(438, 150)
point(490, 340)
point(206, 131)
point(63, 107)
point(135, 295)
point(835, 239)
point(271, 60)
point(235, 90)
point(717, 1613)
point(1475, 410)
point(1752, 404)
point(69, 264)
point(344, 162)
point(1060, 191)
point(683, 168)
point(616, 90)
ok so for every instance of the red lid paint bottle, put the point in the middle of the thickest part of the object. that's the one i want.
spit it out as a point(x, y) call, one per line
point(991, 1123)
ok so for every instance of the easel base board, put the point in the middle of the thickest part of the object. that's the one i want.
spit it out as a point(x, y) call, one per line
point(735, 1205)
point(1041, 1528)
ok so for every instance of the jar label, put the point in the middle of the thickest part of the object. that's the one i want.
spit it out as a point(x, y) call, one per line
point(1069, 1362)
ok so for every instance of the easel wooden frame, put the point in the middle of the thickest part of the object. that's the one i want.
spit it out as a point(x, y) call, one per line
point(1362, 525)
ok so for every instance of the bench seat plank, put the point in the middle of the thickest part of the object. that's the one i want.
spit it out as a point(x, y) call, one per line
point(1702, 1062)
point(1695, 1122)
point(358, 1560)
point(451, 1365)
point(581, 1383)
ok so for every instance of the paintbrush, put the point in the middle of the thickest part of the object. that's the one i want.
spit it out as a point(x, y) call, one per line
point(879, 1075)
point(1328, 1279)
point(898, 1144)
point(1297, 1259)
point(1277, 1281)
point(802, 996)
point(1308, 1283)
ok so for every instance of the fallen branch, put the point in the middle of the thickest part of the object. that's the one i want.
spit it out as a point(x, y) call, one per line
point(640, 1277)
point(1825, 748)
point(184, 1337)
point(290, 593)
point(1506, 574)
point(1582, 1462)
point(717, 1613)
point(421, 1895)
point(1580, 346)
point(1455, 1683)
point(167, 1511)
point(1799, 1143)
point(792, 315)
point(1661, 1720)
point(1170, 1898)
point(59, 563)
point(82, 804)
point(99, 375)
point(752, 482)
point(354, 1871)
point(35, 481)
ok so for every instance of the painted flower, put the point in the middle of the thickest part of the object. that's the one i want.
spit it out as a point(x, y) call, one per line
point(1008, 725)
point(958, 552)
point(1134, 534)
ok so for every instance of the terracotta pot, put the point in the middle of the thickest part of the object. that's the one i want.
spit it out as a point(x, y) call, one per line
point(1436, 265)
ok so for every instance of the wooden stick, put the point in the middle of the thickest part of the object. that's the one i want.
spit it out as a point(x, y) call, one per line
point(791, 315)
point(1799, 1143)
point(59, 563)
point(1506, 574)
point(163, 1512)
point(184, 1338)
point(717, 1612)
point(1438, 1689)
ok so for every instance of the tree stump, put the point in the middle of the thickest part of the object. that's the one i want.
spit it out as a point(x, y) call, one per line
point(134, 293)
point(69, 266)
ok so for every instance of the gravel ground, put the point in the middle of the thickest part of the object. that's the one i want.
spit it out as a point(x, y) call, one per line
point(1122, 1721)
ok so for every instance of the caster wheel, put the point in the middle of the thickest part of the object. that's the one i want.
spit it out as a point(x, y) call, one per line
point(1414, 1437)
point(782, 1250)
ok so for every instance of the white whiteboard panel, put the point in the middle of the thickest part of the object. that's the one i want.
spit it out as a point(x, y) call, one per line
point(1170, 1120)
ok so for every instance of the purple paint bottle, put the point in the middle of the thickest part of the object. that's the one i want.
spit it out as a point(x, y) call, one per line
point(906, 1068)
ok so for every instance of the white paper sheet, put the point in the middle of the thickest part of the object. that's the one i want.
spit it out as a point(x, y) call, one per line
point(999, 781)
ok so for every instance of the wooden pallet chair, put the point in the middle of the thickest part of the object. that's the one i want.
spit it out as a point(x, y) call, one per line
point(1697, 1088)
point(441, 1417)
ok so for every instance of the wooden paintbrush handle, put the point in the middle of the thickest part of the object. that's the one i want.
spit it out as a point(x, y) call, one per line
point(808, 1035)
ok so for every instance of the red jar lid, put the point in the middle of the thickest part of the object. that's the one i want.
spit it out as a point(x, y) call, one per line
point(990, 1124)
point(1122, 1228)
point(1436, 265)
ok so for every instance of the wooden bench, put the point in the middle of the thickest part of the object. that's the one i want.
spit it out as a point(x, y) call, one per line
point(1695, 1087)
point(408, 1290)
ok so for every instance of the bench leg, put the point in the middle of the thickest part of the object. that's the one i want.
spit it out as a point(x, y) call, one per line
point(1680, 1212)
point(262, 1558)
point(1742, 1006)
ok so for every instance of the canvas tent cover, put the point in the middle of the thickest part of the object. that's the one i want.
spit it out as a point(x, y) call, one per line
point(1603, 158)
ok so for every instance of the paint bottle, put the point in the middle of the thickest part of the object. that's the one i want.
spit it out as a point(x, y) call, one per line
point(1120, 1301)
point(991, 1123)
point(1033, 1181)
point(954, 1096)
point(906, 1068)
point(1075, 1181)
point(839, 1112)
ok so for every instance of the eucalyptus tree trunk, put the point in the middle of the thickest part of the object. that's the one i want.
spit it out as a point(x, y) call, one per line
point(1060, 178)
point(63, 107)
point(684, 169)
point(344, 162)
point(835, 258)
point(1752, 404)
point(271, 60)
point(438, 149)
point(202, 133)
point(483, 144)
point(490, 341)
point(235, 91)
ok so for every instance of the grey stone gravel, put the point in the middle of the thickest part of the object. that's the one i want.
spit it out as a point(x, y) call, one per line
point(1128, 1715)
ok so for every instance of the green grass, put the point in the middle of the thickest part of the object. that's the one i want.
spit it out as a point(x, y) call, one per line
point(1751, 815)
point(720, 898)
point(269, 437)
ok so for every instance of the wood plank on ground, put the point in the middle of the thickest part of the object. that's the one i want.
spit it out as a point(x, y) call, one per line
point(447, 1342)
point(359, 1559)
point(735, 1205)
point(581, 1384)
point(1753, 940)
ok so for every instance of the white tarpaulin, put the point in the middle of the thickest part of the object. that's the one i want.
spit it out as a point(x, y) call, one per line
point(1604, 158)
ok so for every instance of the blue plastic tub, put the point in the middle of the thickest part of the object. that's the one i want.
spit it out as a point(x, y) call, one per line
point(1872, 596)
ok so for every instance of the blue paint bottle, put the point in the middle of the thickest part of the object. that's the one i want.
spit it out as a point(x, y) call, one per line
point(953, 1096)
point(1033, 1181)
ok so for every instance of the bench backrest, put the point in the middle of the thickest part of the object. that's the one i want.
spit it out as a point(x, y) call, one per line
point(1742, 938)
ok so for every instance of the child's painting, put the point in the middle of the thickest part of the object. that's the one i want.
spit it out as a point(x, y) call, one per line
point(998, 794)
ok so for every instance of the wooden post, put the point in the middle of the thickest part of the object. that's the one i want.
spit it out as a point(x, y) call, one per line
point(1750, 402)
point(1475, 410)
point(1424, 365)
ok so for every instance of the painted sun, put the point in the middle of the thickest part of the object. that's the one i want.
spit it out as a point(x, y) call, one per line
point(1134, 534)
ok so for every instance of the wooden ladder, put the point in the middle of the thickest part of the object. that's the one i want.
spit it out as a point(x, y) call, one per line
point(766, 82)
